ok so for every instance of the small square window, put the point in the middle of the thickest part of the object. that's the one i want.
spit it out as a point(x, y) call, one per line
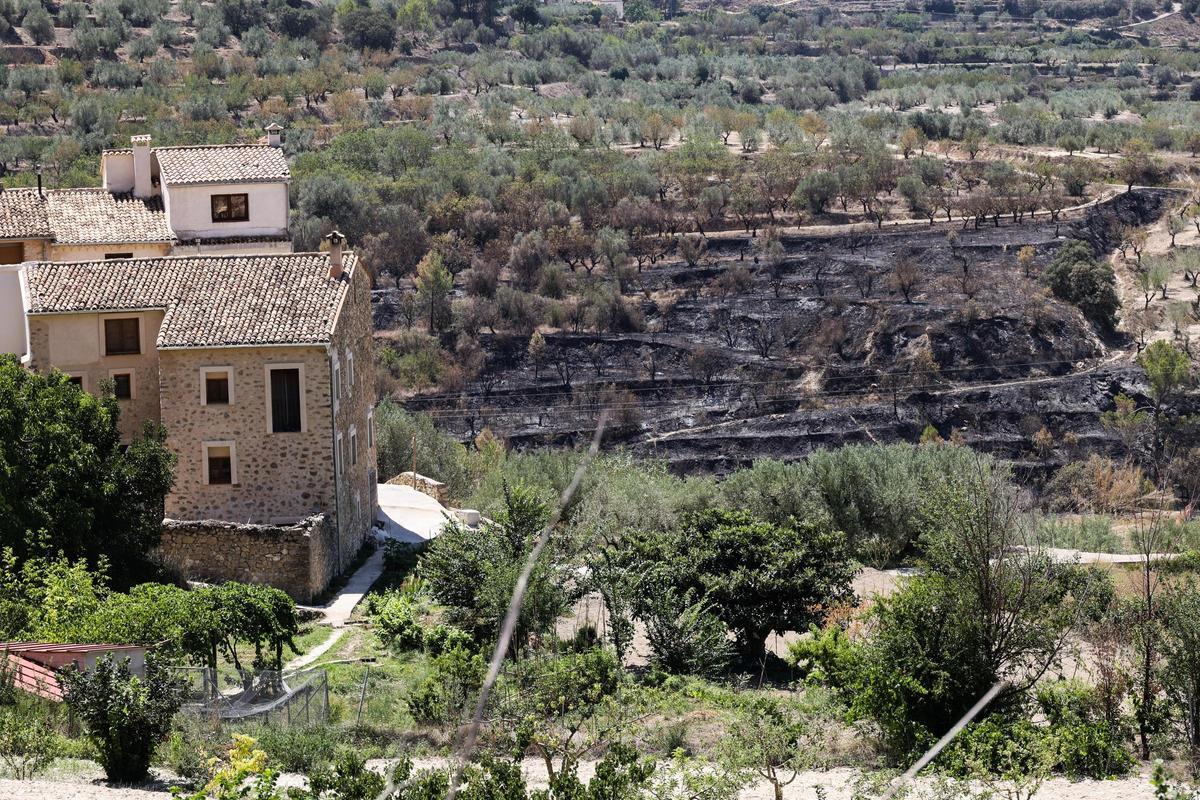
point(76, 379)
point(117, 256)
point(216, 388)
point(230, 208)
point(220, 463)
point(122, 337)
point(123, 385)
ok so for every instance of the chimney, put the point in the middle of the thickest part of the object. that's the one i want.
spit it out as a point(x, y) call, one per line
point(141, 166)
point(275, 135)
point(335, 240)
point(39, 171)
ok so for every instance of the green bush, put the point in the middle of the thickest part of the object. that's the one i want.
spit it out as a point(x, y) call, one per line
point(125, 716)
point(996, 746)
point(1085, 744)
point(445, 695)
point(685, 636)
point(395, 617)
point(299, 748)
point(1076, 276)
point(441, 639)
point(27, 744)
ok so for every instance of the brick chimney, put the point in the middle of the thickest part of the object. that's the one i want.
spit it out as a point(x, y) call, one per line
point(275, 135)
point(335, 239)
point(141, 166)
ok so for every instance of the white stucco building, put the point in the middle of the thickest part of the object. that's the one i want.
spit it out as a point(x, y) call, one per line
point(152, 202)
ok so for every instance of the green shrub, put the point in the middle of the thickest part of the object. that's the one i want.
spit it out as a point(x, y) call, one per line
point(125, 716)
point(27, 744)
point(299, 748)
point(1076, 276)
point(1085, 744)
point(1092, 534)
point(395, 617)
point(996, 746)
point(399, 557)
point(447, 692)
point(442, 639)
point(685, 636)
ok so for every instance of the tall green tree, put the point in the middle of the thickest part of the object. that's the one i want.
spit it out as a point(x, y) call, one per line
point(1167, 368)
point(66, 482)
point(757, 576)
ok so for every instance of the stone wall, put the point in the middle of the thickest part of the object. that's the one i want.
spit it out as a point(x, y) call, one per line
point(356, 486)
point(423, 484)
point(299, 559)
point(74, 343)
point(281, 477)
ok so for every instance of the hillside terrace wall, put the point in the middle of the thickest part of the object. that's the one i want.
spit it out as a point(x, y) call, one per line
point(300, 559)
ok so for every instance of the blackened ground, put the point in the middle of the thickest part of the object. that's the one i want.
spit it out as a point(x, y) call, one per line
point(825, 351)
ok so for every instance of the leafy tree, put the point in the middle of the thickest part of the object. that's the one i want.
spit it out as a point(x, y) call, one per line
point(1167, 368)
point(366, 28)
point(767, 738)
point(125, 716)
point(39, 25)
point(562, 707)
point(685, 635)
point(66, 481)
point(758, 576)
point(474, 572)
point(1076, 276)
point(433, 283)
point(986, 612)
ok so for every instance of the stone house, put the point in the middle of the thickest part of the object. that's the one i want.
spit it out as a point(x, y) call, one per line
point(259, 367)
point(152, 202)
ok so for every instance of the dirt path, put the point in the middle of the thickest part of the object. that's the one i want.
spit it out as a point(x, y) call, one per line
point(1158, 243)
point(836, 784)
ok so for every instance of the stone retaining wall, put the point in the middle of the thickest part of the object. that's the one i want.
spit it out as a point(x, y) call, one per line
point(300, 559)
point(423, 484)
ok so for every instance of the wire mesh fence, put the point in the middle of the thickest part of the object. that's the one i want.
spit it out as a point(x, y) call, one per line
point(269, 697)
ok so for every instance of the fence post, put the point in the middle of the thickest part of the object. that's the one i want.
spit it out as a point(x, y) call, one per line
point(362, 698)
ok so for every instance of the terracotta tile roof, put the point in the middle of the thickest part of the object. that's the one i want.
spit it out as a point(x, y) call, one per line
point(209, 300)
point(95, 216)
point(23, 215)
point(222, 163)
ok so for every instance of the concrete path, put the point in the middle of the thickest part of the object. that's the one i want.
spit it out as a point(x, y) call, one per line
point(408, 516)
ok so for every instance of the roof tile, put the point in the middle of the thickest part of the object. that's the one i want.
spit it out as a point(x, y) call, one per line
point(95, 216)
point(222, 163)
point(23, 215)
point(209, 300)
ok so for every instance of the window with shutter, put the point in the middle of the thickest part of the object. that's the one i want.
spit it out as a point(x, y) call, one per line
point(285, 400)
point(121, 337)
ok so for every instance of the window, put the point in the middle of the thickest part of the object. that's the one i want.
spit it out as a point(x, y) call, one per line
point(216, 386)
point(337, 382)
point(122, 337)
point(115, 256)
point(122, 385)
point(349, 374)
point(230, 208)
point(286, 408)
point(220, 463)
point(77, 380)
point(337, 454)
point(370, 428)
point(353, 446)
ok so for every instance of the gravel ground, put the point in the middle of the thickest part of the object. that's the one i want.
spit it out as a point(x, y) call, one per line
point(837, 783)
